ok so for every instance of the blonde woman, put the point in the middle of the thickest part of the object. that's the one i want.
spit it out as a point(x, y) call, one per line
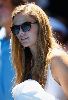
point(34, 50)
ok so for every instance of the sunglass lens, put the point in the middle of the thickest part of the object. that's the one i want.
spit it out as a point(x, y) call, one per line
point(26, 26)
point(15, 29)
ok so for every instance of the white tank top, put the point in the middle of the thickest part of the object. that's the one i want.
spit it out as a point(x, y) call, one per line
point(53, 87)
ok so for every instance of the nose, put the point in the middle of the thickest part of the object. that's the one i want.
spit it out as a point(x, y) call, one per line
point(21, 32)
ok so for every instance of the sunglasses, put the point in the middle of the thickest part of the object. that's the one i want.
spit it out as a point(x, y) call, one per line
point(26, 26)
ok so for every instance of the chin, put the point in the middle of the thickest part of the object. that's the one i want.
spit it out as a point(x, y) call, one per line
point(25, 45)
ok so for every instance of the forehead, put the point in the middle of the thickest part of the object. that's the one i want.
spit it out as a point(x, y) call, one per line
point(21, 18)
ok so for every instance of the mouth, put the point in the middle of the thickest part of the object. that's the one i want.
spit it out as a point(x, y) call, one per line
point(24, 39)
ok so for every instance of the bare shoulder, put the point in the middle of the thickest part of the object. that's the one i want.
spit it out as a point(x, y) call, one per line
point(59, 56)
point(59, 67)
point(59, 61)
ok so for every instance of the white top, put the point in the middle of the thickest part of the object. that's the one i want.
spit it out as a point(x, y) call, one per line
point(30, 90)
point(53, 87)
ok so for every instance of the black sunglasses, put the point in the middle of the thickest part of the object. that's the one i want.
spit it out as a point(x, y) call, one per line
point(26, 26)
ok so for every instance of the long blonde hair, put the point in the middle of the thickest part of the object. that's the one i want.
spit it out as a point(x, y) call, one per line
point(44, 42)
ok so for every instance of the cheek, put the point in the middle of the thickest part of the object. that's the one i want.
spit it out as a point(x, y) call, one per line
point(33, 36)
point(34, 33)
point(19, 38)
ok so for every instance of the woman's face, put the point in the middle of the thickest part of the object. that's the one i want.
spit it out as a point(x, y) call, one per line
point(27, 31)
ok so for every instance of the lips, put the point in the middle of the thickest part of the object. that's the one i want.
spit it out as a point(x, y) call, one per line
point(24, 38)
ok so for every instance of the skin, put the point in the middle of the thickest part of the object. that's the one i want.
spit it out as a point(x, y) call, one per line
point(59, 67)
point(27, 39)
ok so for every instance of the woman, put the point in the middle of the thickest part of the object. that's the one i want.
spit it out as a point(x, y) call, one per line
point(34, 49)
